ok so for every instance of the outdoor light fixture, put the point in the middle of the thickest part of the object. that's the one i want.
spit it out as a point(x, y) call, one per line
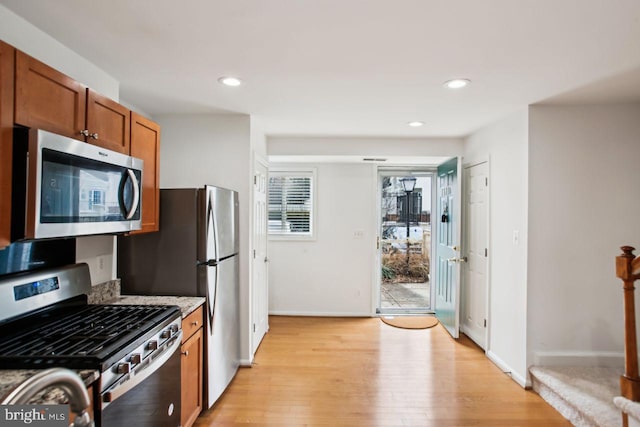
point(408, 184)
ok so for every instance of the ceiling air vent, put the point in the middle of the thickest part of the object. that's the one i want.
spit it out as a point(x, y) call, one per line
point(373, 159)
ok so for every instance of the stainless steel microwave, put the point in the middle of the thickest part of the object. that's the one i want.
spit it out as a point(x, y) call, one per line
point(64, 187)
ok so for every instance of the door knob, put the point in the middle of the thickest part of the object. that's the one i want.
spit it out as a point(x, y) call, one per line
point(266, 259)
point(463, 259)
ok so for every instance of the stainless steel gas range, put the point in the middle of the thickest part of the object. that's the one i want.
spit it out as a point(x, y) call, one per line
point(45, 322)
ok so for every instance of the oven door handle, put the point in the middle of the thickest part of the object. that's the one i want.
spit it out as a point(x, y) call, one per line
point(144, 372)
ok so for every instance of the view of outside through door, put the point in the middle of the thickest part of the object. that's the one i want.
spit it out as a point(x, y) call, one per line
point(405, 243)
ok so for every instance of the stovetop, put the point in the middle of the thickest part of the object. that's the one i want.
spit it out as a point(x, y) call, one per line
point(86, 336)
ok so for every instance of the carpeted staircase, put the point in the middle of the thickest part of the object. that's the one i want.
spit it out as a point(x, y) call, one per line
point(583, 395)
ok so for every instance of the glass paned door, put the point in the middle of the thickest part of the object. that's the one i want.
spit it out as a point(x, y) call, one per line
point(405, 242)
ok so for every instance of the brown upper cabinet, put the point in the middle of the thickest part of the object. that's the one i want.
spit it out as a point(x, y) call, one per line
point(145, 145)
point(7, 55)
point(34, 95)
point(47, 99)
point(108, 123)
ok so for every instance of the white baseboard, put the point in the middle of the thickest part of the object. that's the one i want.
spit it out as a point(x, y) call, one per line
point(605, 359)
point(318, 313)
point(246, 363)
point(504, 367)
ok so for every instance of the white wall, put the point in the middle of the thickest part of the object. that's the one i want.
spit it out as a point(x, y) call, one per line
point(35, 42)
point(334, 274)
point(97, 251)
point(505, 145)
point(583, 205)
point(213, 149)
point(258, 137)
point(373, 147)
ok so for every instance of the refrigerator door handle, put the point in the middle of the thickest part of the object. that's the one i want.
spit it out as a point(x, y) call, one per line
point(212, 226)
point(213, 299)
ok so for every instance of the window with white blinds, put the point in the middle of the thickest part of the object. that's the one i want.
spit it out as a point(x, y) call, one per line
point(291, 203)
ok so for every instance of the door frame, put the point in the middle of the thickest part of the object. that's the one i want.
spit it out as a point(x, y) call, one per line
point(466, 164)
point(257, 159)
point(379, 173)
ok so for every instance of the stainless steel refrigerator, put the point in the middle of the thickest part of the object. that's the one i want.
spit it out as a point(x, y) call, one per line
point(195, 253)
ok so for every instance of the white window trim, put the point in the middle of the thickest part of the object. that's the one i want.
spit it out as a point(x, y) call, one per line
point(292, 171)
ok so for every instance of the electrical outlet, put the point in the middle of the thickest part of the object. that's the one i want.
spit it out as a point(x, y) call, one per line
point(100, 263)
point(358, 234)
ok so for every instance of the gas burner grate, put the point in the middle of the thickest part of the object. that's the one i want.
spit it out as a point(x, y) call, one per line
point(91, 332)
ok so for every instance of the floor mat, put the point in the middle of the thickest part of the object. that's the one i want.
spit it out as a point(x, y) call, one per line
point(410, 322)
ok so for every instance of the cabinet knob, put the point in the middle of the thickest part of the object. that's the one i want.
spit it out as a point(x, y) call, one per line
point(94, 135)
point(194, 323)
point(84, 132)
point(185, 353)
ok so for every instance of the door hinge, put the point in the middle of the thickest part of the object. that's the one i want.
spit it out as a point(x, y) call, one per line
point(485, 252)
point(485, 323)
point(254, 326)
point(378, 242)
point(486, 182)
point(255, 179)
point(254, 253)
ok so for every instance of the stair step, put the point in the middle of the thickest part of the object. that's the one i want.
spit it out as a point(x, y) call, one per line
point(631, 408)
point(583, 395)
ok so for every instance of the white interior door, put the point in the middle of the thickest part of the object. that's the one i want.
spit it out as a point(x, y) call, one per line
point(448, 246)
point(475, 231)
point(260, 261)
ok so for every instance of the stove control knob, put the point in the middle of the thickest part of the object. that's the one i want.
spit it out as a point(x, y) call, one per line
point(165, 334)
point(135, 358)
point(175, 328)
point(152, 345)
point(123, 368)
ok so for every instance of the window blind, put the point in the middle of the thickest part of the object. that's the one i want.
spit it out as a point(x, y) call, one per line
point(290, 203)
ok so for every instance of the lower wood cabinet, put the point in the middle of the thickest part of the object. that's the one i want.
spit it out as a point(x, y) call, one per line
point(192, 367)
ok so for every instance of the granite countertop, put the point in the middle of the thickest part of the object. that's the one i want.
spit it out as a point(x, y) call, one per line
point(11, 378)
point(187, 304)
point(109, 293)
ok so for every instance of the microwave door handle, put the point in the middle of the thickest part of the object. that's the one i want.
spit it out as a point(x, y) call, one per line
point(136, 194)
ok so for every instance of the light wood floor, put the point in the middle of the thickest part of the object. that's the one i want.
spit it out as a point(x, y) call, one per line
point(361, 372)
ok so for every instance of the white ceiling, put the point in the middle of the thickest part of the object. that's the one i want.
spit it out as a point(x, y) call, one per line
point(354, 67)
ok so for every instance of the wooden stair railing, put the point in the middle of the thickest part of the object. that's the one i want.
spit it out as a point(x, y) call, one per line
point(628, 269)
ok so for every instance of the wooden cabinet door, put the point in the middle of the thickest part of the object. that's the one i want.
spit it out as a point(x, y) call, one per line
point(191, 380)
point(47, 99)
point(145, 145)
point(108, 123)
point(7, 57)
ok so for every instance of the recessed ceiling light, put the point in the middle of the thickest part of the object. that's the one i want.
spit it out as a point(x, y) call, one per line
point(457, 83)
point(415, 124)
point(230, 81)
